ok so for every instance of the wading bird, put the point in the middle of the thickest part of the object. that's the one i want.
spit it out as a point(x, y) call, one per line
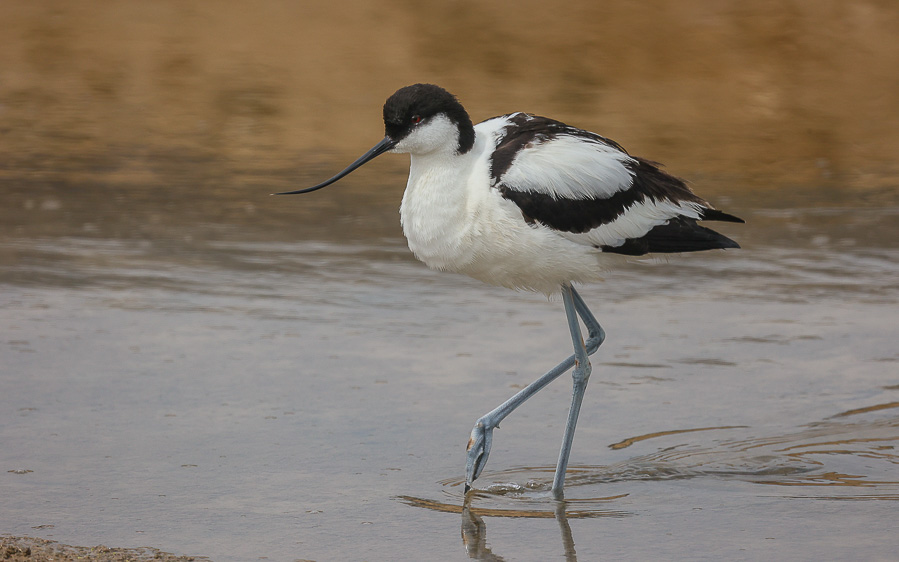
point(527, 202)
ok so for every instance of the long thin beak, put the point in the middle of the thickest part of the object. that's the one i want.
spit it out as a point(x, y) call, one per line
point(386, 144)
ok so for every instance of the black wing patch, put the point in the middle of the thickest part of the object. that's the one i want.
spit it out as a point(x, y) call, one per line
point(570, 215)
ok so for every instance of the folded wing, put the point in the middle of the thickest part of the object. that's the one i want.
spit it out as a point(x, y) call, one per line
point(589, 190)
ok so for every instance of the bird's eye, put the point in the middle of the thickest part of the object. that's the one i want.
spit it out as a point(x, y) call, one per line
point(416, 119)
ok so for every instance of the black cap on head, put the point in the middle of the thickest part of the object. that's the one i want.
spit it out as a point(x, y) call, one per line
point(421, 101)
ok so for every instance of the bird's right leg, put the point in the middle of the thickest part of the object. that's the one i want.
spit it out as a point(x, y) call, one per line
point(482, 435)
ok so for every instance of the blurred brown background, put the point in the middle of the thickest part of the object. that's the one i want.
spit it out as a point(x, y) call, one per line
point(774, 91)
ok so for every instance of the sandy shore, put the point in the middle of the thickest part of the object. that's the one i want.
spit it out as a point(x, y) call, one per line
point(28, 549)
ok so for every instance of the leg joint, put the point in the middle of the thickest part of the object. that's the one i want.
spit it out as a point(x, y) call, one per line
point(595, 339)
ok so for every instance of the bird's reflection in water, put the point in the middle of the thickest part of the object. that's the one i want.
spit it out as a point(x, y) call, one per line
point(474, 533)
point(474, 525)
point(474, 536)
point(565, 529)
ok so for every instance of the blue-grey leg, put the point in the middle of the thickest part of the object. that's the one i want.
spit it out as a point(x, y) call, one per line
point(581, 374)
point(482, 435)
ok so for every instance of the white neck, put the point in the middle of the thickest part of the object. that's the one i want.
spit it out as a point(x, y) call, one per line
point(434, 208)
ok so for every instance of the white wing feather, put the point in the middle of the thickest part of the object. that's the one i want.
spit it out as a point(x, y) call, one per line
point(567, 167)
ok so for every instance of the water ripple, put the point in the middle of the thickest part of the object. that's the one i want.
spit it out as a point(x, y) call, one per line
point(859, 457)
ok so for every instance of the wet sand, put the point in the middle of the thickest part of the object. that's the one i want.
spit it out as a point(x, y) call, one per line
point(29, 549)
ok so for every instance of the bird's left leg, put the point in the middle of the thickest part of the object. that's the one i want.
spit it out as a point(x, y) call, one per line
point(574, 307)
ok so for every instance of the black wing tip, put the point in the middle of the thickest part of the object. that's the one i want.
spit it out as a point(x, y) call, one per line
point(727, 243)
point(676, 236)
point(716, 215)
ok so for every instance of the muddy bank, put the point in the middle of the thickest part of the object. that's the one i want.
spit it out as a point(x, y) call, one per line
point(28, 549)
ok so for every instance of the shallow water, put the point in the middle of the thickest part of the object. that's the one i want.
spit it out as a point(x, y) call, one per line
point(190, 364)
